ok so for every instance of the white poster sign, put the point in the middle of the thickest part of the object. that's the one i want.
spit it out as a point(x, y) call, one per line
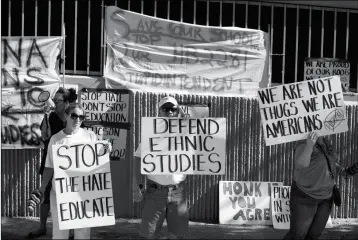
point(245, 203)
point(290, 112)
point(83, 185)
point(178, 145)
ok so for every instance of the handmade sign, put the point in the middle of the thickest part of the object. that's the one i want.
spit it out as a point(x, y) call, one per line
point(83, 185)
point(290, 112)
point(280, 205)
point(327, 67)
point(178, 145)
point(29, 78)
point(157, 55)
point(245, 202)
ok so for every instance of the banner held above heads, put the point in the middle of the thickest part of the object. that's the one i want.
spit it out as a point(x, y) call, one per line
point(185, 146)
point(29, 78)
point(151, 54)
point(290, 112)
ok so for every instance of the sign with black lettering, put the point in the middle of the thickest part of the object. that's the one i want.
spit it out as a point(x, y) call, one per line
point(29, 78)
point(186, 146)
point(116, 136)
point(327, 67)
point(280, 205)
point(290, 112)
point(158, 55)
point(196, 110)
point(83, 185)
point(106, 107)
point(245, 203)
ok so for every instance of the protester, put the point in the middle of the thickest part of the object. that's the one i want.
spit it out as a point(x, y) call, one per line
point(311, 191)
point(72, 133)
point(52, 124)
point(165, 196)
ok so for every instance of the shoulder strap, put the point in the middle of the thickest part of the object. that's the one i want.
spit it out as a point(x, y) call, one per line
point(325, 154)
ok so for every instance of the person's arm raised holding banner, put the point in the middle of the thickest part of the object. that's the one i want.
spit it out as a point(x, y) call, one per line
point(165, 195)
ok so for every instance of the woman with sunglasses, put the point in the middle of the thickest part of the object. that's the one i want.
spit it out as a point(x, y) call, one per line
point(72, 133)
point(52, 124)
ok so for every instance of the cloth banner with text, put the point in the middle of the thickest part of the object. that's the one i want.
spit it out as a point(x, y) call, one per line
point(183, 146)
point(245, 203)
point(29, 77)
point(157, 55)
point(327, 67)
point(106, 114)
point(280, 206)
point(83, 185)
point(290, 112)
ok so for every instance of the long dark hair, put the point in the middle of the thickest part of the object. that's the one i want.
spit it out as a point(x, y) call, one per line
point(69, 95)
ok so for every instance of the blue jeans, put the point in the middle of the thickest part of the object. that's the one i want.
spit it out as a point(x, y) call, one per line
point(309, 216)
point(162, 203)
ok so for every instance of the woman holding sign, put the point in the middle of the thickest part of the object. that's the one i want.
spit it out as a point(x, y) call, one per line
point(51, 124)
point(312, 190)
point(72, 133)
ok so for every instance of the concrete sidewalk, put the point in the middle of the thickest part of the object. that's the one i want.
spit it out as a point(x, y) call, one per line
point(18, 228)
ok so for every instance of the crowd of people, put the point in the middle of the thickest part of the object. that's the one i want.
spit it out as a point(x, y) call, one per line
point(165, 196)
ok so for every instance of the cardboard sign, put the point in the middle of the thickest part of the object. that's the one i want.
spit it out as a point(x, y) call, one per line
point(29, 77)
point(280, 205)
point(108, 107)
point(158, 55)
point(290, 112)
point(116, 136)
point(83, 185)
point(327, 67)
point(186, 146)
point(245, 202)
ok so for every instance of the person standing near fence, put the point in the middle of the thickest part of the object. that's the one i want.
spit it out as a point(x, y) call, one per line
point(52, 124)
point(165, 196)
point(312, 188)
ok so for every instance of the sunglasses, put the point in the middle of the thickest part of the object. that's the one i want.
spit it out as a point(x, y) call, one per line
point(57, 100)
point(172, 109)
point(74, 116)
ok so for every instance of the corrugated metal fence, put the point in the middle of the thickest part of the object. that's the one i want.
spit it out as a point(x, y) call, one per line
point(248, 159)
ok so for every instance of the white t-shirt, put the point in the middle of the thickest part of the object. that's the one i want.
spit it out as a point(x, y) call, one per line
point(172, 179)
point(62, 138)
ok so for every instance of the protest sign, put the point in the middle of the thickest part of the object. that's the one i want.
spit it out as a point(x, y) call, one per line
point(196, 110)
point(83, 185)
point(158, 55)
point(327, 67)
point(290, 112)
point(107, 107)
point(280, 205)
point(29, 77)
point(178, 145)
point(245, 202)
point(116, 136)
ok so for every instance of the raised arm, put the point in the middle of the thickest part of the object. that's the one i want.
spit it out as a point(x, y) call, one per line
point(304, 150)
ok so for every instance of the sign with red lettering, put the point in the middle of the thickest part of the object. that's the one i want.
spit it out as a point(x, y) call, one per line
point(245, 202)
point(290, 112)
point(183, 146)
point(83, 185)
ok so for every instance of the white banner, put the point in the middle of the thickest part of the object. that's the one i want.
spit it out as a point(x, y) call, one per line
point(245, 203)
point(327, 67)
point(158, 55)
point(290, 112)
point(186, 146)
point(83, 182)
point(29, 77)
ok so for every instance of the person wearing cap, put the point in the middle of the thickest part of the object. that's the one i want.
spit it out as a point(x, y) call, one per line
point(165, 195)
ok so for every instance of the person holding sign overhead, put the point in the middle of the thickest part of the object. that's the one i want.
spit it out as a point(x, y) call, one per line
point(165, 195)
point(312, 190)
point(72, 133)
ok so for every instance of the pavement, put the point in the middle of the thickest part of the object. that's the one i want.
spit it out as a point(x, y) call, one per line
point(18, 228)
